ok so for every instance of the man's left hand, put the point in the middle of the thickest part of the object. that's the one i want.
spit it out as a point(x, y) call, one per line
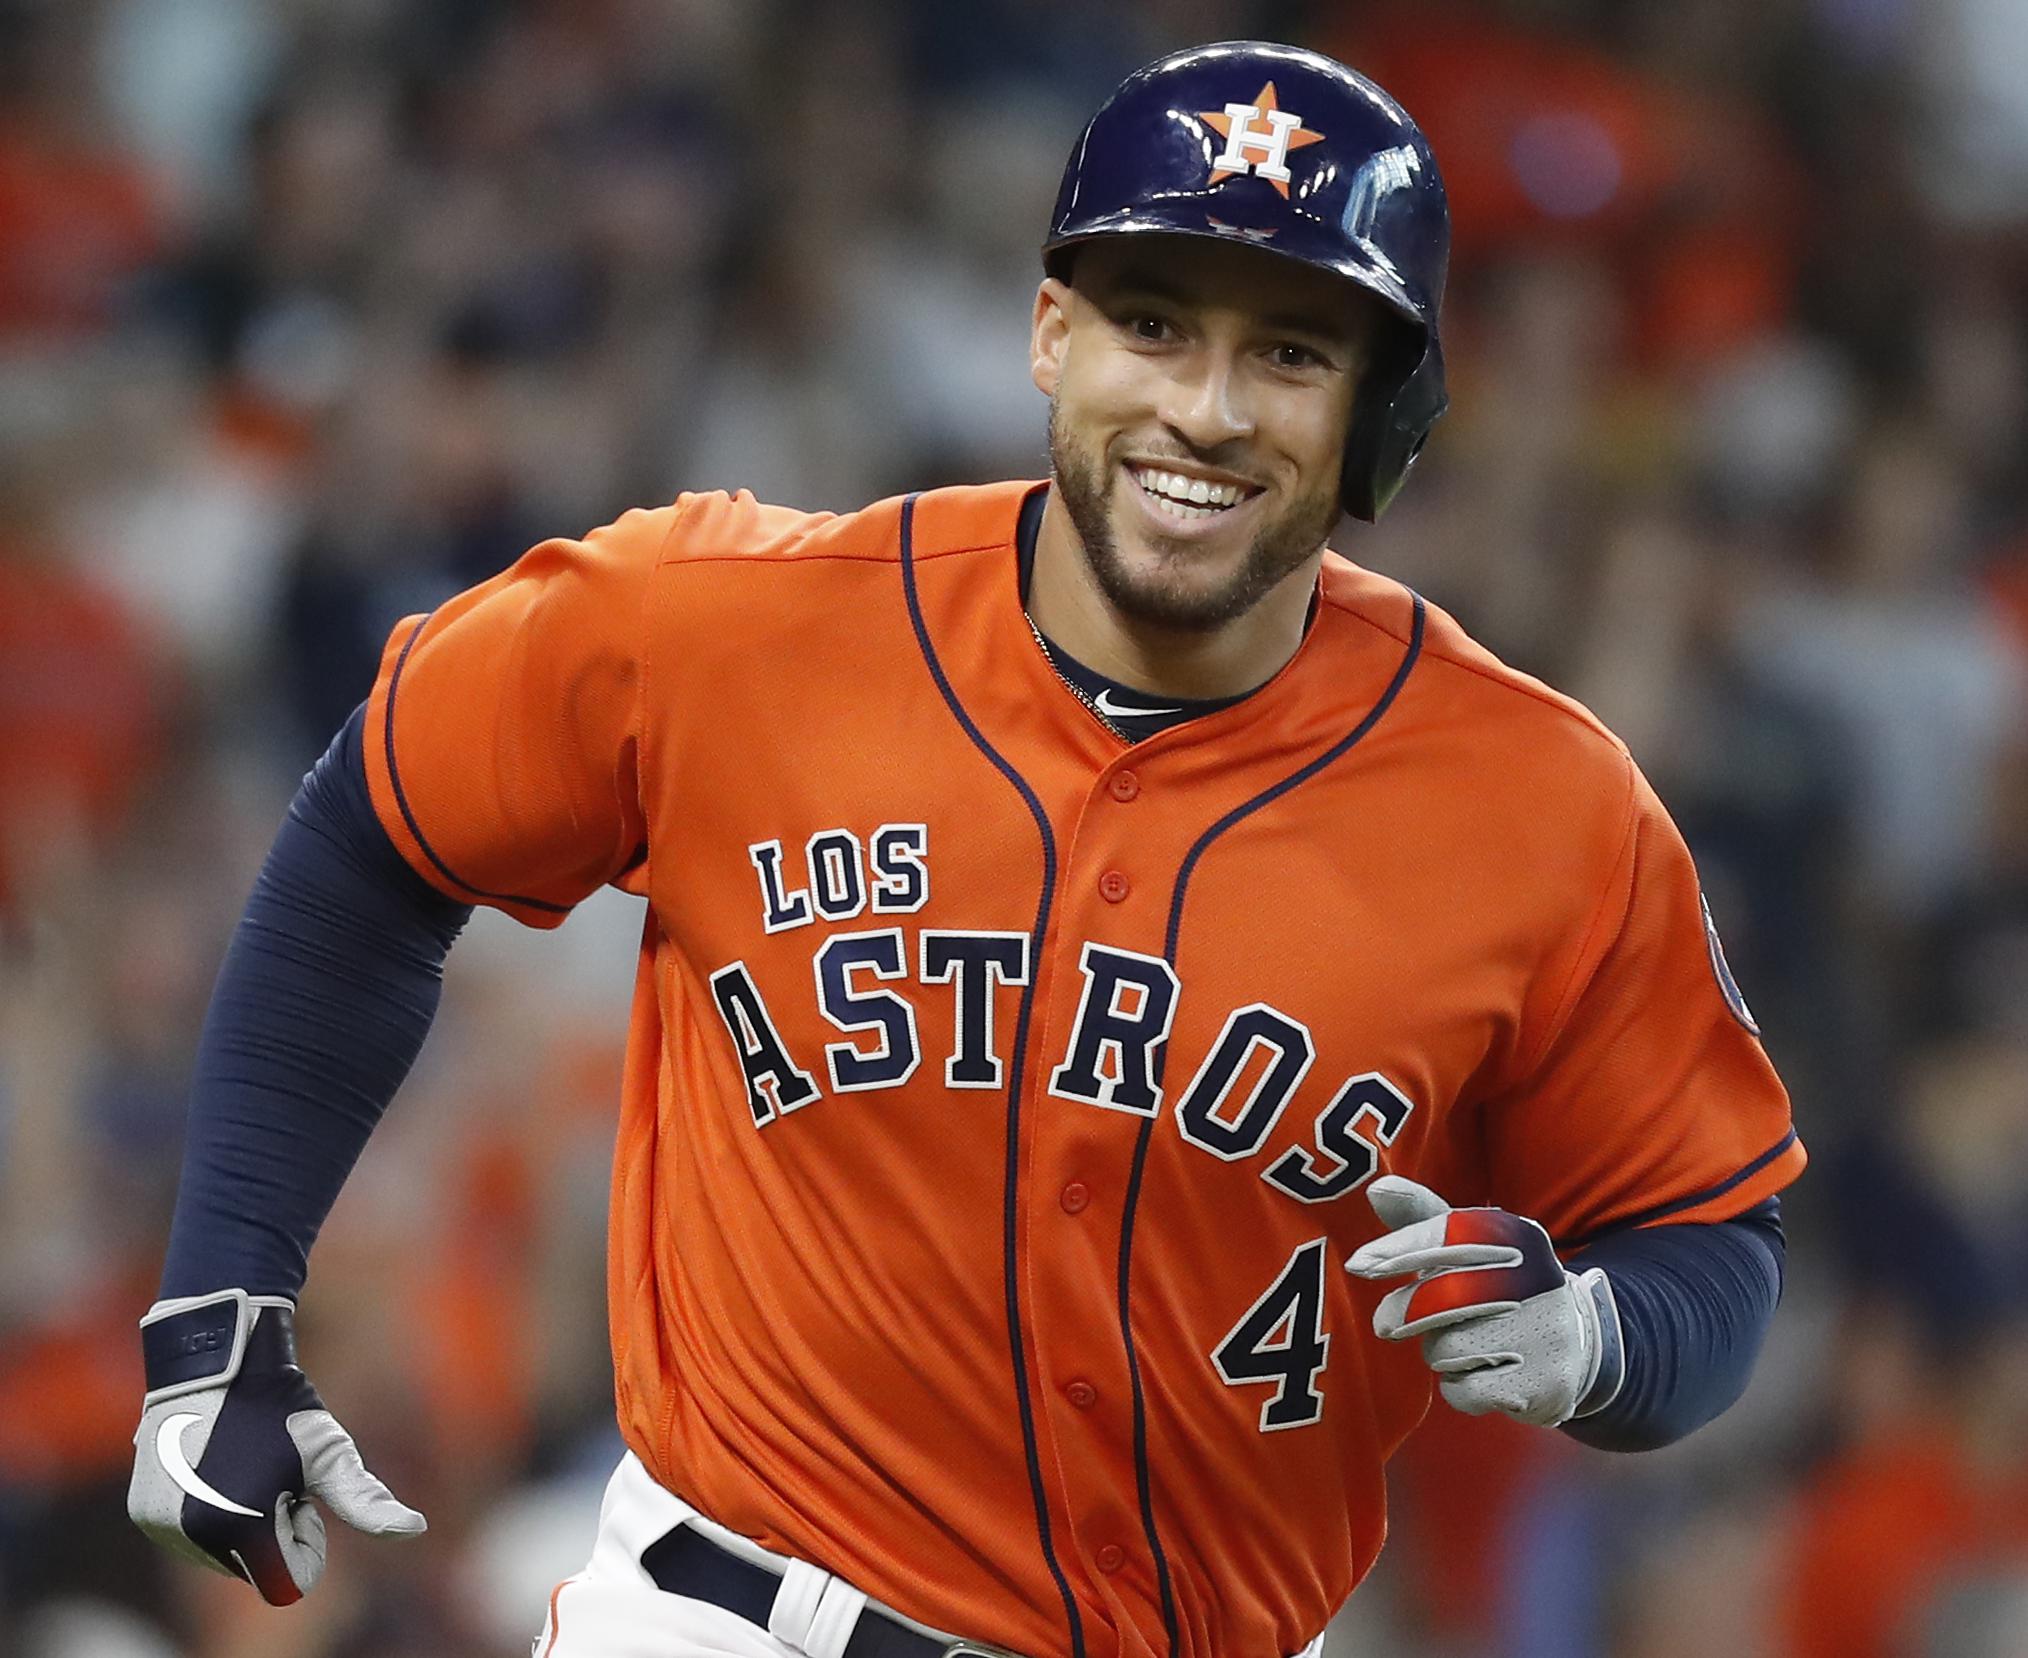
point(1502, 1323)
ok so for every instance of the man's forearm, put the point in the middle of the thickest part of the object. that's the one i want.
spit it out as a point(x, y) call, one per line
point(327, 991)
point(1695, 1303)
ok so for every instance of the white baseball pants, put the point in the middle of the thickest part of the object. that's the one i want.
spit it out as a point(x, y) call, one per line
point(612, 1608)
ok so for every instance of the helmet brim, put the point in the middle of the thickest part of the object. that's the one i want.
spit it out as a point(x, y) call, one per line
point(1367, 269)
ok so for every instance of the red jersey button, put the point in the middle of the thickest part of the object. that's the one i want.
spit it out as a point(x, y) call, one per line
point(1113, 886)
point(1081, 1394)
point(1125, 785)
point(1110, 1558)
point(1074, 1197)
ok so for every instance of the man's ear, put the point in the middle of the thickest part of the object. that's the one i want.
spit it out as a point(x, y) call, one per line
point(1049, 335)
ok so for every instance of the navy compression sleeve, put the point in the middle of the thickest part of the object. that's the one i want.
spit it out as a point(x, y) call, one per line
point(1695, 1304)
point(327, 991)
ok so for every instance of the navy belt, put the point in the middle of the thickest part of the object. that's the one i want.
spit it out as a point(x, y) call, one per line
point(686, 1562)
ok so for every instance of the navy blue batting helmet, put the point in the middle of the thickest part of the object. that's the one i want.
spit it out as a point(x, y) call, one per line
point(1290, 151)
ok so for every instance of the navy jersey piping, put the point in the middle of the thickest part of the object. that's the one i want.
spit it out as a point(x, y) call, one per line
point(1015, 1070)
point(1676, 1206)
point(1142, 1473)
point(408, 816)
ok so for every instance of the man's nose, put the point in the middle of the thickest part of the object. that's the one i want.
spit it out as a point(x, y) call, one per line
point(1207, 402)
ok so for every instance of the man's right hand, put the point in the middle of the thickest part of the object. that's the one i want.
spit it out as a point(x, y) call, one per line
point(234, 1443)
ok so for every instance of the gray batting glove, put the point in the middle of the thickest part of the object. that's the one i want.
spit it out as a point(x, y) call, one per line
point(1502, 1323)
point(235, 1443)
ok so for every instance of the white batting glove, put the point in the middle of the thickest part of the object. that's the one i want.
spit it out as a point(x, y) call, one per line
point(1502, 1323)
point(234, 1442)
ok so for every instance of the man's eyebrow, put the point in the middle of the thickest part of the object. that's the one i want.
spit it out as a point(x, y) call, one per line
point(1338, 330)
point(1143, 284)
point(1146, 285)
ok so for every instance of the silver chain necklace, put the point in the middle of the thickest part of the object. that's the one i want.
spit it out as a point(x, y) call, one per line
point(1071, 685)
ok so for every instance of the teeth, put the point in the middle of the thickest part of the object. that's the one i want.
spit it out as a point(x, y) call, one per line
point(1173, 488)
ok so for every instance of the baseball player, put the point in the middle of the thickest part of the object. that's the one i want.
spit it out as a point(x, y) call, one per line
point(1131, 1004)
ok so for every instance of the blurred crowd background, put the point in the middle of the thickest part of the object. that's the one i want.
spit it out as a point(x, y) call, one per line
point(313, 312)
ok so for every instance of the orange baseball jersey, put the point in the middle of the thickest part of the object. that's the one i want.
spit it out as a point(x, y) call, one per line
point(999, 1096)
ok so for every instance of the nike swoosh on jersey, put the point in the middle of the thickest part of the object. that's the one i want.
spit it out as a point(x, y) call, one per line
point(1104, 703)
point(169, 1452)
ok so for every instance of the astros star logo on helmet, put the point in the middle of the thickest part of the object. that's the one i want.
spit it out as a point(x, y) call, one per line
point(1258, 137)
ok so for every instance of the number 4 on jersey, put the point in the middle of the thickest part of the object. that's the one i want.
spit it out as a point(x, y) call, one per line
point(1281, 1339)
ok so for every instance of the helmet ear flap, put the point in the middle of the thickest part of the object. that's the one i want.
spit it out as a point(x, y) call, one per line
point(1399, 400)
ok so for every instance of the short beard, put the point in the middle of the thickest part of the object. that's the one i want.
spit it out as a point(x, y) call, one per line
point(1283, 545)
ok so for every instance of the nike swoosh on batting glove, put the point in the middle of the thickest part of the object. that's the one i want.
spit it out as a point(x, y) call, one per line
point(234, 1443)
point(1502, 1323)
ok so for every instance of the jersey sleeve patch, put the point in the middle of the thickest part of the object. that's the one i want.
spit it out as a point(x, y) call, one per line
point(1722, 971)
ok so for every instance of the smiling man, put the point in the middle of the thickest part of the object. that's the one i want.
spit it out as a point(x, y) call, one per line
point(1132, 1006)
